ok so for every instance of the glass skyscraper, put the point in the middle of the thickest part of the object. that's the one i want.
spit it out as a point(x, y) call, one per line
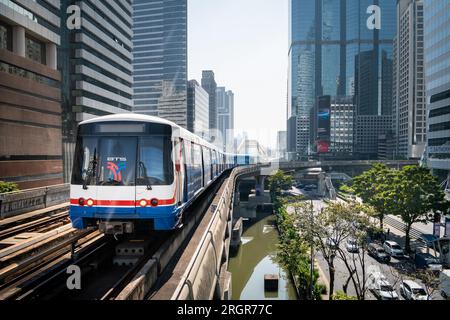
point(334, 52)
point(160, 58)
point(437, 70)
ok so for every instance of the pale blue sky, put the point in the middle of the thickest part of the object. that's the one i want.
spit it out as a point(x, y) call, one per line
point(245, 42)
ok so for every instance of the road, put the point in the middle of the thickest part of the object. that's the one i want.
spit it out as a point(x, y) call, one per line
point(390, 271)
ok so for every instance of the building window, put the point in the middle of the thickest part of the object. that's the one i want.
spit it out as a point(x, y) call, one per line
point(35, 50)
point(5, 37)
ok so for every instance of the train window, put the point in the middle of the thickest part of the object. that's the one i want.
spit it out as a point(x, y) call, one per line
point(155, 161)
point(85, 153)
point(117, 161)
point(207, 161)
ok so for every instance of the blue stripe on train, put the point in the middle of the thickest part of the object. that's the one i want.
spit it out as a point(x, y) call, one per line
point(165, 217)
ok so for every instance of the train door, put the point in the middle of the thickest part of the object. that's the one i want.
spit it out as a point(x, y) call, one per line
point(179, 171)
point(116, 176)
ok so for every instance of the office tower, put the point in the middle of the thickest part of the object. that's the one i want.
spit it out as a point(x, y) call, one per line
point(198, 109)
point(30, 95)
point(210, 85)
point(333, 126)
point(95, 60)
point(368, 131)
point(335, 50)
point(281, 145)
point(225, 117)
point(160, 58)
point(409, 89)
point(437, 70)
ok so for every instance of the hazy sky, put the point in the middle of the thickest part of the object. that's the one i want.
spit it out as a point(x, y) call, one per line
point(245, 43)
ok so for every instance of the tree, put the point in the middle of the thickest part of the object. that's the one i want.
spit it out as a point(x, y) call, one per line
point(325, 231)
point(279, 182)
point(415, 195)
point(294, 255)
point(357, 216)
point(373, 186)
point(430, 280)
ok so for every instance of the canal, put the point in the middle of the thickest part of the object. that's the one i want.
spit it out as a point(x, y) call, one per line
point(256, 257)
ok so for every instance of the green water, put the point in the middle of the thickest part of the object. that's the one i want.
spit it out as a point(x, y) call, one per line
point(255, 258)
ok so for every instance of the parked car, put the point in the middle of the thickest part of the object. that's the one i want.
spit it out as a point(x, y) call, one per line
point(352, 245)
point(411, 290)
point(381, 287)
point(393, 249)
point(444, 280)
point(427, 261)
point(377, 252)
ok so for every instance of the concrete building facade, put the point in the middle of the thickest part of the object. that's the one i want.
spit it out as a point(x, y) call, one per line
point(30, 95)
point(198, 109)
point(409, 111)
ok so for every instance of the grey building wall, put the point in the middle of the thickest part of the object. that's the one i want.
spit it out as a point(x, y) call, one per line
point(225, 117)
point(96, 62)
point(409, 82)
point(198, 109)
point(210, 85)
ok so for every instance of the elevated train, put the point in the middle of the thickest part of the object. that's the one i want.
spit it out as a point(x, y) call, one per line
point(135, 172)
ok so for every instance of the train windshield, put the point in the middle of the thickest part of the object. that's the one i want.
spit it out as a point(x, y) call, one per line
point(107, 160)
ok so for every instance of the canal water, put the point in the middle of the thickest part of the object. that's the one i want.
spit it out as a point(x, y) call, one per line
point(255, 258)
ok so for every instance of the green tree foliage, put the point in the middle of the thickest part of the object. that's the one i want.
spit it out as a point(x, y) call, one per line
point(294, 254)
point(340, 295)
point(373, 187)
point(415, 195)
point(279, 182)
point(8, 187)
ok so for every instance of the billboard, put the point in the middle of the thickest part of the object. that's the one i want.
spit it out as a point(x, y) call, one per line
point(323, 124)
point(323, 146)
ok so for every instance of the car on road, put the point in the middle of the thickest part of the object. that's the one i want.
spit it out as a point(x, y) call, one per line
point(444, 281)
point(377, 252)
point(427, 261)
point(393, 249)
point(381, 287)
point(352, 245)
point(411, 290)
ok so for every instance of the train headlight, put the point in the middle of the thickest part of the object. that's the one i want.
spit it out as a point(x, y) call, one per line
point(90, 202)
point(154, 202)
point(143, 203)
point(81, 201)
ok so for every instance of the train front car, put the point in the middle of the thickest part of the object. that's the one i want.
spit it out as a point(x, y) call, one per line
point(124, 177)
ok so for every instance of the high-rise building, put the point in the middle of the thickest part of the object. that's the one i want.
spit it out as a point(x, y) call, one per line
point(210, 85)
point(337, 50)
point(332, 123)
point(368, 130)
point(409, 88)
point(225, 117)
point(160, 58)
point(198, 109)
point(96, 60)
point(30, 94)
point(281, 145)
point(437, 69)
